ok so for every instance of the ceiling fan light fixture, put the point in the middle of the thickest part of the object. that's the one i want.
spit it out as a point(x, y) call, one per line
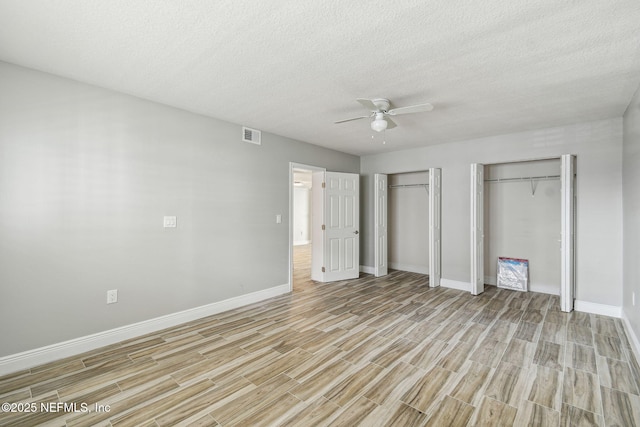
point(379, 124)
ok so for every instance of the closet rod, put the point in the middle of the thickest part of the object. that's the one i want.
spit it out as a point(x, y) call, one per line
point(524, 178)
point(408, 185)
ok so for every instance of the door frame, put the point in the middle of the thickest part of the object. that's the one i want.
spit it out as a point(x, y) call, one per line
point(292, 166)
point(568, 226)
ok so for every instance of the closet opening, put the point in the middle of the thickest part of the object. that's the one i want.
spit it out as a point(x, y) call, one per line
point(522, 219)
point(408, 223)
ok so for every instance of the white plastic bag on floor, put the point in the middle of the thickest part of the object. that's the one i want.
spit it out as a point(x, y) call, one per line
point(513, 273)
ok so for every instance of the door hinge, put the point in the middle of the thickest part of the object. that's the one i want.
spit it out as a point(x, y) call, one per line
point(323, 185)
point(323, 269)
point(322, 227)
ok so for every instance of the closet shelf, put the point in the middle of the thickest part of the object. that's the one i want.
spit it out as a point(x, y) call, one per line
point(523, 178)
point(408, 185)
point(531, 179)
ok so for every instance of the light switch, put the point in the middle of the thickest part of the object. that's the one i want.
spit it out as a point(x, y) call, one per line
point(278, 219)
point(170, 222)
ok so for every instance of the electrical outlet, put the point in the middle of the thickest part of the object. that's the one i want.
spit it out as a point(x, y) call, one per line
point(170, 222)
point(112, 296)
point(278, 219)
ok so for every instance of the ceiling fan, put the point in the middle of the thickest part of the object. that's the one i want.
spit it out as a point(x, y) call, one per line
point(381, 114)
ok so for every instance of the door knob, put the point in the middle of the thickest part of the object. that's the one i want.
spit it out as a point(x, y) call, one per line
point(356, 232)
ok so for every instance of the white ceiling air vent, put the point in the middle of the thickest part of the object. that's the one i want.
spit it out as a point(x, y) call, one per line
point(251, 135)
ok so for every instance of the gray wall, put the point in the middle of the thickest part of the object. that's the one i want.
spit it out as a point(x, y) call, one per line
point(518, 224)
point(598, 146)
point(86, 176)
point(631, 192)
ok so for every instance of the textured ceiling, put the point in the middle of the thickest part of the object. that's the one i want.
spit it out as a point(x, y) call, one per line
point(294, 67)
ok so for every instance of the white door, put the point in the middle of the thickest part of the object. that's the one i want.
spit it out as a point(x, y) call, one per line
point(341, 226)
point(567, 265)
point(380, 230)
point(477, 228)
point(435, 226)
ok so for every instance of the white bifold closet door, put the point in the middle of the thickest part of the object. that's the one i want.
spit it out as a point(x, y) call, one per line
point(477, 228)
point(435, 226)
point(567, 264)
point(380, 198)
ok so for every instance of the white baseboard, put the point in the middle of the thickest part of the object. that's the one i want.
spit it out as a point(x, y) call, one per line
point(367, 269)
point(635, 341)
point(594, 308)
point(301, 242)
point(50, 353)
point(421, 269)
point(544, 288)
point(455, 284)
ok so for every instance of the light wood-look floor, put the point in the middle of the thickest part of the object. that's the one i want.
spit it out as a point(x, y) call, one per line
point(371, 351)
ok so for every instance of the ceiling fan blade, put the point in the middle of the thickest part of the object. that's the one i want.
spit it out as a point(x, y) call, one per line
point(390, 123)
point(353, 118)
point(419, 108)
point(368, 104)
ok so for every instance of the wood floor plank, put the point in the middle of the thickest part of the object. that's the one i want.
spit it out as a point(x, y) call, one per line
point(519, 353)
point(428, 353)
point(546, 387)
point(609, 346)
point(253, 401)
point(493, 413)
point(451, 412)
point(616, 374)
point(507, 384)
point(205, 402)
point(549, 354)
point(321, 381)
point(149, 392)
point(317, 413)
point(354, 385)
point(372, 351)
point(532, 414)
point(150, 410)
point(472, 383)
point(620, 409)
point(354, 413)
point(579, 334)
point(581, 390)
point(581, 357)
point(393, 384)
point(572, 416)
point(425, 390)
point(489, 352)
point(402, 414)
point(527, 331)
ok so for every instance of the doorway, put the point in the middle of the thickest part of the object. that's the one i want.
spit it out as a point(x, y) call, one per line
point(334, 220)
point(302, 220)
point(408, 226)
